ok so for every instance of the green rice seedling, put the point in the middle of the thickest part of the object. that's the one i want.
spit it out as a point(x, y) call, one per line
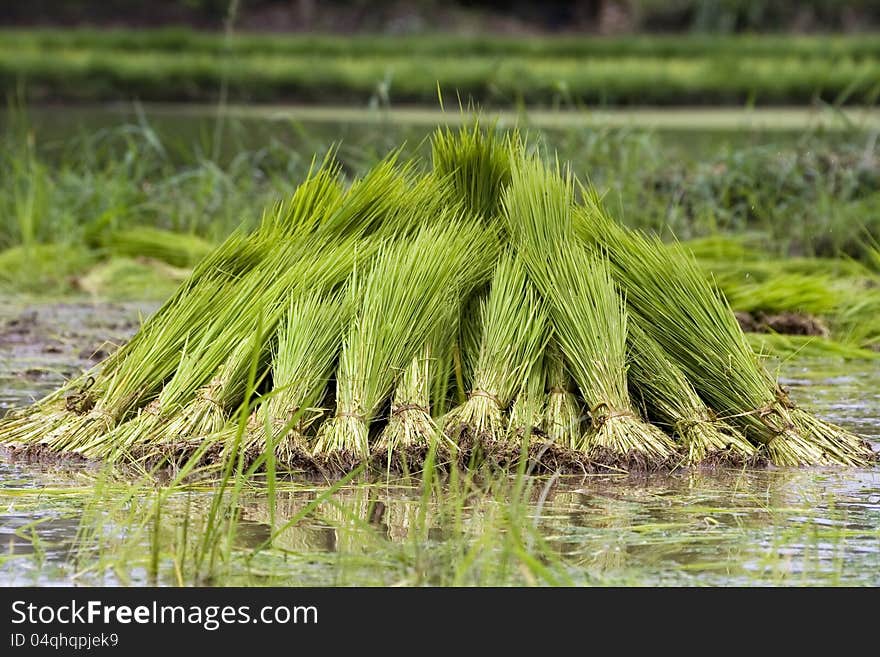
point(382, 200)
point(104, 430)
point(513, 332)
point(563, 415)
point(811, 294)
point(43, 268)
point(476, 163)
point(124, 279)
point(133, 376)
point(467, 346)
point(177, 322)
point(588, 315)
point(214, 347)
point(177, 249)
point(399, 300)
point(309, 339)
point(81, 417)
point(671, 401)
point(687, 316)
point(775, 345)
point(445, 359)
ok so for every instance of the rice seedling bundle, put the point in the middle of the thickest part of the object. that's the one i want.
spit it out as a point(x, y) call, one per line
point(670, 400)
point(513, 332)
point(90, 407)
point(677, 306)
point(181, 316)
point(588, 315)
point(180, 250)
point(563, 415)
point(307, 346)
point(399, 300)
point(411, 429)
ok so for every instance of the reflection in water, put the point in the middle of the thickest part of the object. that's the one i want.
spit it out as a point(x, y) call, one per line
point(707, 527)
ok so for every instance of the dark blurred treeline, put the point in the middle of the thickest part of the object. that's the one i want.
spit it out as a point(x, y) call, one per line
point(594, 16)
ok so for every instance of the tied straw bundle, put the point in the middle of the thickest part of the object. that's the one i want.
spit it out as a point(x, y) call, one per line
point(308, 344)
point(563, 416)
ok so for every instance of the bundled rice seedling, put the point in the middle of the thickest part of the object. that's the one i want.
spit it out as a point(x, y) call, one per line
point(670, 400)
point(513, 332)
point(150, 357)
point(677, 306)
point(563, 415)
point(42, 268)
point(588, 316)
point(421, 394)
point(402, 291)
point(122, 279)
point(411, 429)
point(399, 300)
point(783, 292)
point(89, 407)
point(177, 249)
point(308, 343)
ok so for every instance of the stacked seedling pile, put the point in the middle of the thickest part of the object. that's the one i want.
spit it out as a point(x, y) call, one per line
point(485, 310)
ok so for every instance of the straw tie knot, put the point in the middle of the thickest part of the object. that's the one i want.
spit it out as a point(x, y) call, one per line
point(355, 414)
point(488, 395)
point(771, 410)
point(686, 424)
point(80, 400)
point(406, 408)
point(207, 393)
point(602, 412)
point(153, 408)
point(783, 398)
point(558, 390)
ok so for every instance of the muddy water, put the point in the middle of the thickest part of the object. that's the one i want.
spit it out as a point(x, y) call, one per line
point(816, 526)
